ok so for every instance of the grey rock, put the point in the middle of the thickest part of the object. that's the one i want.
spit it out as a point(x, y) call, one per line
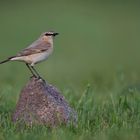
point(42, 103)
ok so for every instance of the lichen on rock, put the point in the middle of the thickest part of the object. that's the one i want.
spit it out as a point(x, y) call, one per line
point(42, 103)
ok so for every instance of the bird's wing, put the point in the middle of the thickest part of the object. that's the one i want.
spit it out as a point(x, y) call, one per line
point(36, 47)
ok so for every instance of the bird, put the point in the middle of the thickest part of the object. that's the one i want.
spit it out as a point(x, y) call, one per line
point(35, 53)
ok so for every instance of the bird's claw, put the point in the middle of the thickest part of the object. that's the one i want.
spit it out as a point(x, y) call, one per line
point(39, 77)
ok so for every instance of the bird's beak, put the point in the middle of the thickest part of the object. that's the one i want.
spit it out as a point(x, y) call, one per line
point(54, 34)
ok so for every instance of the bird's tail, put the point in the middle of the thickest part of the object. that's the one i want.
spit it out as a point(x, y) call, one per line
point(4, 61)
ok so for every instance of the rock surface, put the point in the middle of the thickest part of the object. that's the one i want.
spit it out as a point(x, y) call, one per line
point(41, 103)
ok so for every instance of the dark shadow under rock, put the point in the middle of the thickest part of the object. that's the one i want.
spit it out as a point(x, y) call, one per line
point(41, 103)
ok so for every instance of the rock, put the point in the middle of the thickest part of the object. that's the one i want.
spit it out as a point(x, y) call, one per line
point(42, 103)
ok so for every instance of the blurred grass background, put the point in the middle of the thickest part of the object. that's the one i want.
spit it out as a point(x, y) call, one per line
point(98, 44)
point(97, 39)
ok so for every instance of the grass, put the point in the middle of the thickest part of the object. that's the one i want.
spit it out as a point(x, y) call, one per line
point(95, 64)
point(114, 116)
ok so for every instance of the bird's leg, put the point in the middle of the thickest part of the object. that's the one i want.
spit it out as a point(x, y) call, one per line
point(38, 76)
point(31, 70)
point(36, 72)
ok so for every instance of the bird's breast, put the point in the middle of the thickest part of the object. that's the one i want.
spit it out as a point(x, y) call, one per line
point(36, 58)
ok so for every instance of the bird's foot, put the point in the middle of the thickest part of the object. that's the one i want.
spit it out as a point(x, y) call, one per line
point(39, 77)
point(33, 76)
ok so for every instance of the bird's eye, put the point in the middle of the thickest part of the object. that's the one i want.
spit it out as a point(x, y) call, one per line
point(48, 34)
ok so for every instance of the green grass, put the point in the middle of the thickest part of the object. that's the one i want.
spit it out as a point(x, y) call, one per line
point(95, 64)
point(114, 116)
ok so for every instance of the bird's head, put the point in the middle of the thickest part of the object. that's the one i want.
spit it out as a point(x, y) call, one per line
point(48, 36)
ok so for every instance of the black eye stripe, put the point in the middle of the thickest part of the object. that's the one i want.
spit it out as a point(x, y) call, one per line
point(48, 34)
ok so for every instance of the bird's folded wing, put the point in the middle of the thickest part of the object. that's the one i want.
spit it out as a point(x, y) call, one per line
point(37, 48)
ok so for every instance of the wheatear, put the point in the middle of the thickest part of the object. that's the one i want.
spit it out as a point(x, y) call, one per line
point(38, 51)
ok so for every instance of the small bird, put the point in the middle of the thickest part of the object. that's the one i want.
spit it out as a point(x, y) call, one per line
point(38, 51)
